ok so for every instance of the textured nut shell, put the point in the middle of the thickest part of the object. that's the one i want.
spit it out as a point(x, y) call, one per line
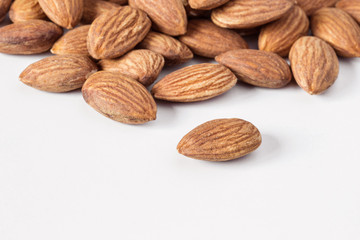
point(256, 67)
point(119, 98)
point(116, 32)
point(195, 83)
point(174, 51)
point(168, 16)
point(24, 10)
point(352, 7)
point(28, 37)
point(121, 2)
point(206, 4)
point(220, 140)
point(58, 73)
point(208, 40)
point(250, 13)
point(279, 36)
point(310, 6)
point(142, 65)
point(65, 13)
point(314, 64)
point(4, 8)
point(338, 29)
point(94, 8)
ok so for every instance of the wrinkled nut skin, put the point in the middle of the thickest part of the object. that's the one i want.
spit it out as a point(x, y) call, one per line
point(94, 8)
point(28, 37)
point(119, 98)
point(220, 140)
point(206, 4)
point(352, 7)
point(206, 39)
point(257, 68)
point(24, 10)
point(310, 6)
point(61, 73)
point(4, 8)
point(314, 64)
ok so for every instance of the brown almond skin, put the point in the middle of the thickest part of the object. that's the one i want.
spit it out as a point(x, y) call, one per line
point(174, 51)
point(73, 42)
point(338, 29)
point(24, 10)
point(94, 8)
point(314, 64)
point(116, 32)
point(279, 36)
point(250, 13)
point(195, 83)
point(310, 6)
point(168, 16)
point(352, 7)
point(4, 8)
point(119, 98)
point(257, 68)
point(206, 4)
point(206, 39)
point(65, 13)
point(121, 2)
point(142, 65)
point(220, 140)
point(29, 37)
point(58, 73)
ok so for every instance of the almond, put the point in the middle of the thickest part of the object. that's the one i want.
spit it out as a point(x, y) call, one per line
point(121, 2)
point(23, 10)
point(119, 98)
point(116, 32)
point(94, 8)
point(250, 13)
point(208, 40)
point(352, 7)
point(174, 51)
point(256, 67)
point(279, 36)
point(310, 6)
point(4, 8)
point(142, 65)
point(168, 16)
point(29, 37)
point(338, 29)
point(65, 13)
point(195, 83)
point(73, 42)
point(58, 73)
point(220, 140)
point(314, 64)
point(206, 4)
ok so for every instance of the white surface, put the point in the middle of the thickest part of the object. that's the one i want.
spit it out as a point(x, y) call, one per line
point(67, 172)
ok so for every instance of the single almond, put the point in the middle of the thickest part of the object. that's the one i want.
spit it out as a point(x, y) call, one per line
point(65, 13)
point(4, 8)
point(250, 13)
point(24, 10)
point(338, 29)
point(279, 36)
point(142, 65)
point(206, 39)
point(174, 51)
point(220, 140)
point(28, 37)
point(352, 7)
point(73, 42)
point(310, 6)
point(61, 73)
point(119, 97)
point(168, 16)
point(206, 4)
point(116, 32)
point(94, 8)
point(195, 83)
point(314, 64)
point(256, 67)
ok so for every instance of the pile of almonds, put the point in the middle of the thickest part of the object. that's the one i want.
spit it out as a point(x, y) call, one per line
point(115, 49)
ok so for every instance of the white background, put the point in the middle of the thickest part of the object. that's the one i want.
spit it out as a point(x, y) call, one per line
point(67, 172)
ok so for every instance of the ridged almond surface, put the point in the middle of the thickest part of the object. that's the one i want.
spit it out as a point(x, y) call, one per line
point(279, 36)
point(24, 10)
point(338, 29)
point(168, 16)
point(314, 64)
point(206, 4)
point(195, 83)
point(174, 51)
point(73, 42)
point(256, 67)
point(142, 65)
point(206, 39)
point(58, 73)
point(116, 32)
point(94, 8)
point(250, 13)
point(119, 98)
point(28, 37)
point(4, 8)
point(121, 2)
point(65, 13)
point(220, 140)
point(310, 6)
point(352, 7)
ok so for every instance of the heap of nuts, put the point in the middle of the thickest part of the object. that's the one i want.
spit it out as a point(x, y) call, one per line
point(115, 49)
